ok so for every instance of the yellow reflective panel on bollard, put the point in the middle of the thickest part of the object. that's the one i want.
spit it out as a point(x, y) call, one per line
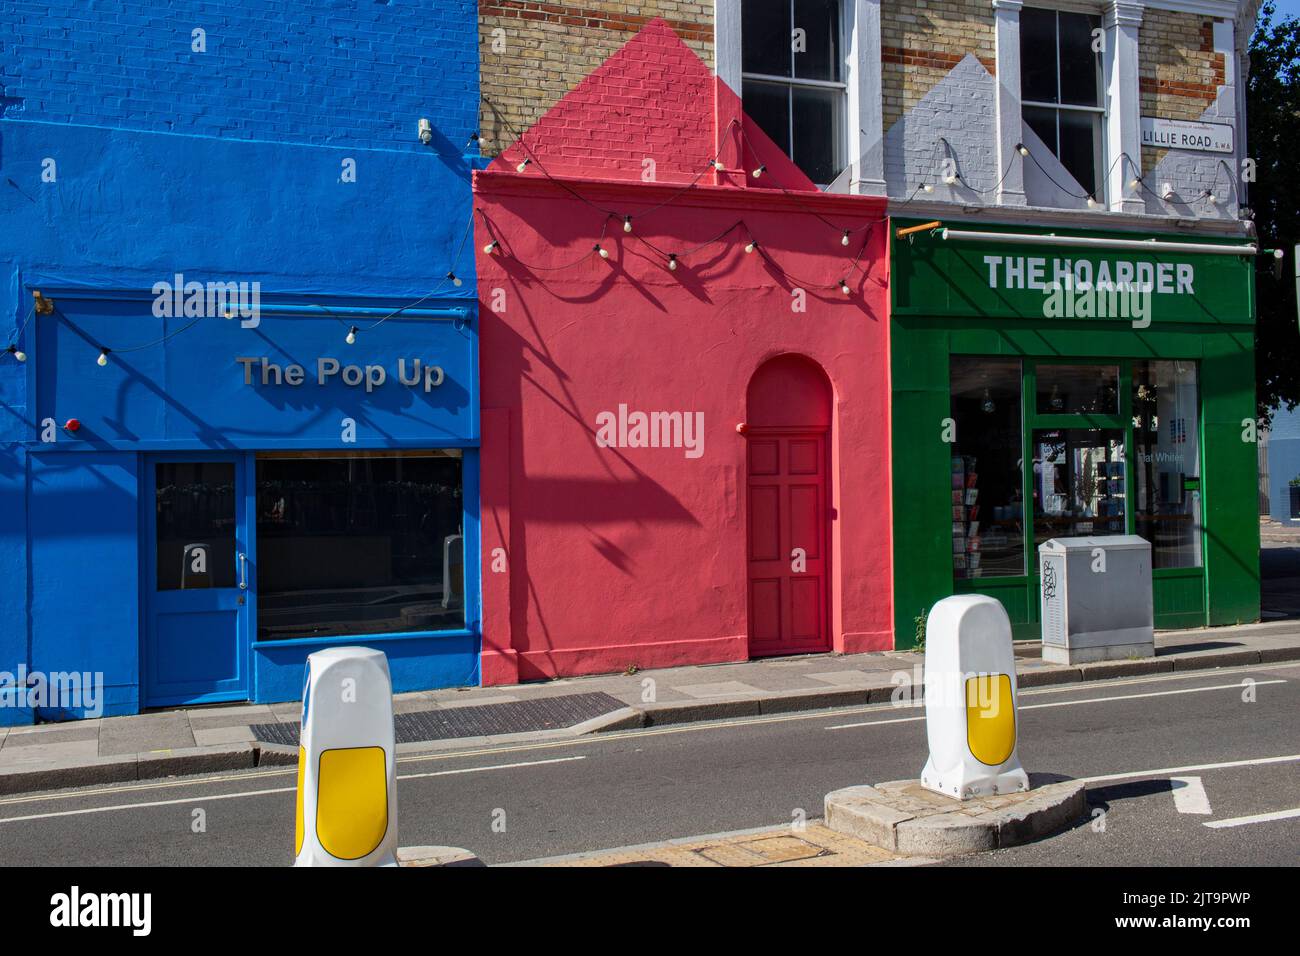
point(298, 827)
point(352, 801)
point(990, 718)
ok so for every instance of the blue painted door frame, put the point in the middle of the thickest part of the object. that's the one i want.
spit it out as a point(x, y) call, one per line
point(196, 640)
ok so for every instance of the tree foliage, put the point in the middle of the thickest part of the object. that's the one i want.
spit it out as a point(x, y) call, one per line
point(1273, 115)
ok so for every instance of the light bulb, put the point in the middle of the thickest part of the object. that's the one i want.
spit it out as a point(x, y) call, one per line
point(491, 247)
point(627, 223)
point(950, 179)
point(1134, 183)
point(1092, 202)
point(522, 166)
point(1022, 149)
point(672, 261)
point(844, 240)
point(987, 405)
point(760, 171)
point(455, 279)
point(229, 313)
point(1212, 199)
point(103, 358)
point(718, 166)
point(751, 246)
point(351, 336)
point(927, 187)
point(844, 286)
point(604, 253)
point(17, 353)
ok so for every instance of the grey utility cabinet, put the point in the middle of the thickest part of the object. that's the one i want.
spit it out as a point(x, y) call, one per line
point(1095, 599)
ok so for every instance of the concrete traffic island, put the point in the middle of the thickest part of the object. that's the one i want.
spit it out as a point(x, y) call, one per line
point(436, 856)
point(973, 794)
point(904, 817)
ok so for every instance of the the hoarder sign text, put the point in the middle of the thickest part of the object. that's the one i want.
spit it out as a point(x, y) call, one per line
point(1083, 275)
point(259, 370)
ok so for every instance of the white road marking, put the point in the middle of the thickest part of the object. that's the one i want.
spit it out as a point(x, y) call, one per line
point(1086, 700)
point(1190, 795)
point(1170, 771)
point(260, 793)
point(875, 723)
point(1254, 818)
point(610, 736)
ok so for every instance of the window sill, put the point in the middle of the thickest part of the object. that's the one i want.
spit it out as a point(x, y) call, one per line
point(345, 640)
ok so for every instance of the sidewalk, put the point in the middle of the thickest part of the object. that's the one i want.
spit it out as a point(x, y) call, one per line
point(209, 739)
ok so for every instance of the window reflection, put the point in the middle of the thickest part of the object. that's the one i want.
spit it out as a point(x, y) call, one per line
point(1078, 482)
point(364, 543)
point(988, 537)
point(1166, 443)
point(1077, 389)
point(195, 524)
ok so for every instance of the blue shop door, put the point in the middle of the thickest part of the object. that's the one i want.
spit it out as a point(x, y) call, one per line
point(197, 580)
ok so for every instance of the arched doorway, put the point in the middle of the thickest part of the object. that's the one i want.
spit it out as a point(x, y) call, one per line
point(788, 418)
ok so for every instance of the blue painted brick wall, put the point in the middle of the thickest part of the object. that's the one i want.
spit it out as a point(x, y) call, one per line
point(325, 72)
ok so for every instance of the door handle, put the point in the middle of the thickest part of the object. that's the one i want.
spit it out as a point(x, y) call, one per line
point(243, 571)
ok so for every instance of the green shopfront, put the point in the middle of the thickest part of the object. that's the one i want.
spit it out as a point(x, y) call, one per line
point(1058, 384)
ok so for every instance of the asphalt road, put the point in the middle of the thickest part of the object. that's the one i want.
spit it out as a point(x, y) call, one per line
point(614, 790)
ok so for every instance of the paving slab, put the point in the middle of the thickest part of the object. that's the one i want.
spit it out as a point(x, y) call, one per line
point(729, 688)
point(129, 735)
point(39, 750)
point(45, 734)
point(235, 734)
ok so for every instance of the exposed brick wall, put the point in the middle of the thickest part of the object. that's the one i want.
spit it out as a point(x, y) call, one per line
point(1179, 72)
point(532, 53)
point(314, 71)
point(652, 100)
point(922, 40)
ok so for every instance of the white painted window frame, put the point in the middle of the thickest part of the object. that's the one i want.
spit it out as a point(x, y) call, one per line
point(863, 108)
point(1098, 189)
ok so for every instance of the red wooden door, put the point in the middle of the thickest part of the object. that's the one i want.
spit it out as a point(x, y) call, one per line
point(788, 563)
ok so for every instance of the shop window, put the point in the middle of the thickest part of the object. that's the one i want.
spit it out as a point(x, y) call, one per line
point(1078, 483)
point(1077, 389)
point(195, 524)
point(792, 80)
point(362, 543)
point(988, 537)
point(1167, 467)
point(1061, 89)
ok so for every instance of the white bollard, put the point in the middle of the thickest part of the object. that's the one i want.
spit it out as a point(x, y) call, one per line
point(347, 768)
point(970, 700)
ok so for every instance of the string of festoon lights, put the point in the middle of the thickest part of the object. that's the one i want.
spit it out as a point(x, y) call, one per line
point(353, 331)
point(12, 348)
point(673, 258)
point(1137, 182)
point(948, 173)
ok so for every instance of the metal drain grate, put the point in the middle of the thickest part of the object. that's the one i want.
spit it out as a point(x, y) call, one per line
point(512, 717)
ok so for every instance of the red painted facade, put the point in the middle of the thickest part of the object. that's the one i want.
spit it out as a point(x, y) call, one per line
point(678, 466)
